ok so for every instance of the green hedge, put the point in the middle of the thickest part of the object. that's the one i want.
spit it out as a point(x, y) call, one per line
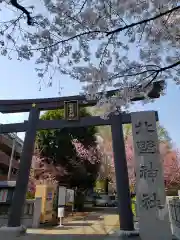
point(133, 205)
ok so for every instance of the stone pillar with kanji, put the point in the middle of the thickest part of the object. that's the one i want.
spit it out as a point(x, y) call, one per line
point(150, 190)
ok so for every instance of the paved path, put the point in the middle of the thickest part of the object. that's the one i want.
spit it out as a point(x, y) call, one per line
point(101, 222)
point(97, 225)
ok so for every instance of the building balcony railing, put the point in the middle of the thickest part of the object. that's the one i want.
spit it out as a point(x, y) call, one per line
point(6, 144)
point(5, 160)
point(14, 136)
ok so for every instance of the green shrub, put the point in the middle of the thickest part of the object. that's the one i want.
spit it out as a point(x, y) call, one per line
point(133, 205)
point(30, 195)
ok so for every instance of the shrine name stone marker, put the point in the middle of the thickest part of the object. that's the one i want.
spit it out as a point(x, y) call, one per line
point(150, 190)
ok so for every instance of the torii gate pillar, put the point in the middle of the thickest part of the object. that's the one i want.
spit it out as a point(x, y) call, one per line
point(122, 180)
point(19, 198)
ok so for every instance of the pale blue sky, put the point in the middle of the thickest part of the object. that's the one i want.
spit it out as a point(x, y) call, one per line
point(19, 80)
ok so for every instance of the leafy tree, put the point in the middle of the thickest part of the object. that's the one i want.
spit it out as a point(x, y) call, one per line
point(73, 149)
point(102, 43)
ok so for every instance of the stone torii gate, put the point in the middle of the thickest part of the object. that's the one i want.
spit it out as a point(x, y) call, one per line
point(71, 105)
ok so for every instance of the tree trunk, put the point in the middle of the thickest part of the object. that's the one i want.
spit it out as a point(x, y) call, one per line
point(106, 185)
point(79, 202)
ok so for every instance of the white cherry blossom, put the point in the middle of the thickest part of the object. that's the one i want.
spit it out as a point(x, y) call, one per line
point(103, 44)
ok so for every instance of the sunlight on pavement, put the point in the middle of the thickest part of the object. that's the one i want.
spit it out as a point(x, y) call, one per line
point(104, 225)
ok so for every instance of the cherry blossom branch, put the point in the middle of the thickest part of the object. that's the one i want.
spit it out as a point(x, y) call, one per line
point(83, 5)
point(152, 72)
point(102, 56)
point(68, 39)
point(162, 70)
point(143, 21)
point(18, 6)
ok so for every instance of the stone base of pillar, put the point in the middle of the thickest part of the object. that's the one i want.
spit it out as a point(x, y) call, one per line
point(11, 232)
point(131, 234)
point(127, 234)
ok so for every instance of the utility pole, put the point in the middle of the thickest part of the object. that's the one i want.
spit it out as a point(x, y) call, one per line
point(11, 160)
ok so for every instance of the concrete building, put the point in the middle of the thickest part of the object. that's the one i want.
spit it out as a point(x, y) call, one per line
point(6, 145)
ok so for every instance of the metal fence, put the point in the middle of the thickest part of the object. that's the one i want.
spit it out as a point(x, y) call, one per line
point(174, 205)
point(28, 208)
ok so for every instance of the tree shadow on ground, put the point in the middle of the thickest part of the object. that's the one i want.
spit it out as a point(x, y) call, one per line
point(93, 217)
point(97, 213)
point(67, 226)
point(99, 209)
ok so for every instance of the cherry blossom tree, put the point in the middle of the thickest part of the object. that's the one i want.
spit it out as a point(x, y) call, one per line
point(87, 165)
point(91, 154)
point(113, 43)
point(106, 171)
point(171, 165)
point(169, 156)
point(74, 149)
point(170, 161)
point(130, 161)
point(42, 171)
